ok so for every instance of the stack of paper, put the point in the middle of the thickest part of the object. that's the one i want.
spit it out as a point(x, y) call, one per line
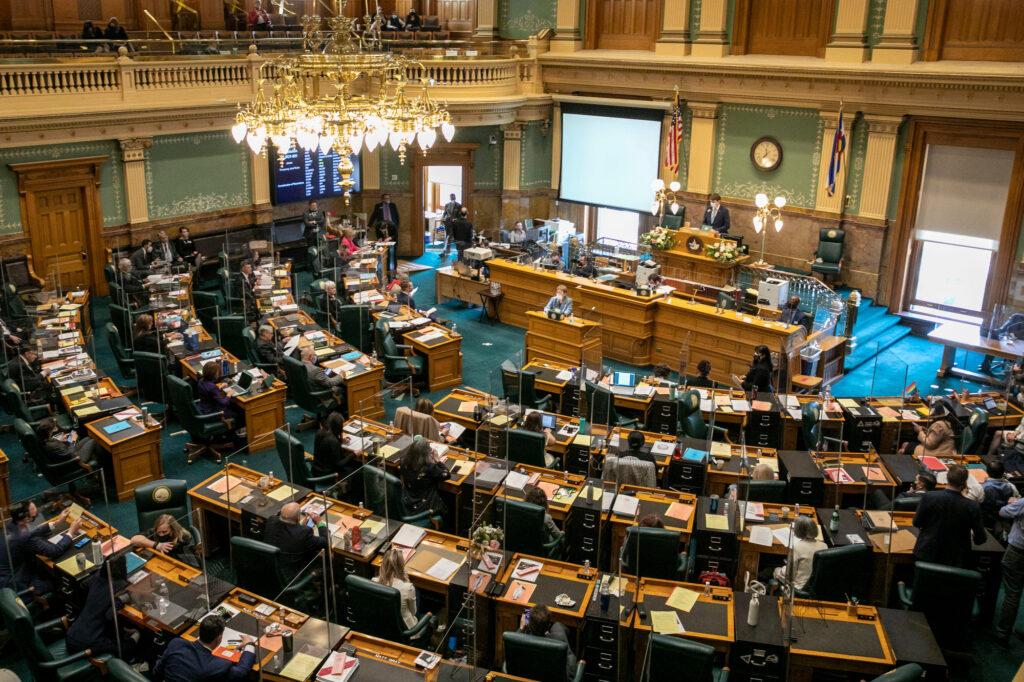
point(626, 505)
point(408, 535)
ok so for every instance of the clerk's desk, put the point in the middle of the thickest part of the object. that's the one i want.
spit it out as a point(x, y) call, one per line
point(685, 259)
point(574, 340)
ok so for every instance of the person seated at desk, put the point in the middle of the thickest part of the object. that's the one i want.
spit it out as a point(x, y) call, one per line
point(552, 259)
point(1013, 325)
point(517, 235)
point(585, 267)
point(791, 313)
point(634, 444)
point(422, 473)
point(761, 472)
point(947, 521)
point(144, 334)
point(805, 545)
point(297, 541)
point(1006, 439)
point(24, 370)
point(212, 398)
point(166, 252)
point(347, 247)
point(924, 482)
point(537, 496)
point(392, 574)
point(95, 626)
point(420, 421)
point(187, 249)
point(560, 303)
point(267, 350)
point(716, 216)
point(131, 284)
point(703, 378)
point(20, 567)
point(996, 489)
point(759, 375)
point(935, 441)
point(318, 377)
point(169, 537)
point(59, 446)
point(13, 335)
point(332, 304)
point(404, 296)
point(534, 422)
point(539, 624)
point(328, 455)
point(143, 258)
point(185, 661)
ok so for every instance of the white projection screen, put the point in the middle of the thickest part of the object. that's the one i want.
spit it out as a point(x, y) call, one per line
point(609, 155)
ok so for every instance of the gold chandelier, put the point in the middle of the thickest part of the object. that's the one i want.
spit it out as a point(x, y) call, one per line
point(340, 94)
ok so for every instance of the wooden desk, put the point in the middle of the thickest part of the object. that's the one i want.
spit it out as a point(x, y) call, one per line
point(954, 335)
point(773, 516)
point(725, 471)
point(381, 660)
point(652, 501)
point(554, 578)
point(342, 517)
point(527, 288)
point(686, 260)
point(442, 350)
point(627, 320)
point(93, 401)
point(710, 621)
point(134, 453)
point(92, 526)
point(449, 408)
point(569, 340)
point(264, 412)
point(433, 547)
point(829, 638)
point(560, 487)
point(451, 286)
point(310, 636)
point(857, 466)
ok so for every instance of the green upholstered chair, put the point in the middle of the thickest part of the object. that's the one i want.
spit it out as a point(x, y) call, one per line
point(15, 307)
point(122, 319)
point(122, 672)
point(355, 323)
point(14, 400)
point(228, 329)
point(601, 407)
point(911, 672)
point(316, 265)
point(122, 355)
point(398, 366)
point(972, 437)
point(838, 573)
point(109, 273)
point(764, 491)
point(43, 646)
point(538, 658)
point(677, 658)
point(163, 496)
point(519, 388)
point(810, 427)
point(384, 496)
point(65, 472)
point(316, 402)
point(249, 339)
point(653, 553)
point(524, 528)
point(908, 503)
point(376, 610)
point(150, 372)
point(691, 420)
point(228, 291)
point(526, 447)
point(674, 220)
point(298, 469)
point(828, 258)
point(258, 569)
point(207, 304)
point(203, 429)
point(946, 595)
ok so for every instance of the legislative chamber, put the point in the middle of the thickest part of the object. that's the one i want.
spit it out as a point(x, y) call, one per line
point(497, 341)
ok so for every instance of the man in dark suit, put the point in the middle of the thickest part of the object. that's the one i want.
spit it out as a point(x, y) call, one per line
point(318, 377)
point(20, 567)
point(947, 521)
point(247, 288)
point(185, 661)
point(313, 221)
point(716, 215)
point(384, 218)
point(24, 370)
point(791, 313)
point(297, 541)
point(267, 351)
point(142, 259)
point(135, 292)
point(462, 232)
point(448, 218)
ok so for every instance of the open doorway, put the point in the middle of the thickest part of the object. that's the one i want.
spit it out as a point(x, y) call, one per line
point(440, 184)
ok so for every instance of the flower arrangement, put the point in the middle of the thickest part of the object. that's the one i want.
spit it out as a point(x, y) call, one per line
point(723, 251)
point(659, 238)
point(486, 537)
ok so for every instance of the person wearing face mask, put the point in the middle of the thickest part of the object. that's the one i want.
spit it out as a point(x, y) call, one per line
point(24, 370)
point(169, 537)
point(142, 259)
point(560, 303)
point(759, 376)
point(716, 216)
point(791, 313)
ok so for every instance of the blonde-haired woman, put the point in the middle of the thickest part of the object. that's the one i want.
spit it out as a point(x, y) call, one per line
point(169, 537)
point(392, 574)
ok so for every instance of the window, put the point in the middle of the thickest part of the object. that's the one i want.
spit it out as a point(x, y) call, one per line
point(621, 225)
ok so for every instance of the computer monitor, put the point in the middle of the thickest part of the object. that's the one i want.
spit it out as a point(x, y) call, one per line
point(244, 381)
point(627, 379)
point(548, 421)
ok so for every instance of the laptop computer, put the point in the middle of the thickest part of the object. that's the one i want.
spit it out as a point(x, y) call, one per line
point(625, 379)
point(548, 421)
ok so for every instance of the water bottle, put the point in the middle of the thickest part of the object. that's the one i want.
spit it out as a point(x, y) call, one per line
point(833, 523)
point(583, 425)
point(707, 588)
point(161, 600)
point(97, 552)
point(145, 416)
point(606, 596)
point(455, 329)
point(754, 609)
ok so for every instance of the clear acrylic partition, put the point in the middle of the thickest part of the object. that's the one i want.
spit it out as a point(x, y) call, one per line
point(299, 629)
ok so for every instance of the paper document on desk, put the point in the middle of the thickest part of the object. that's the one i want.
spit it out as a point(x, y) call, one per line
point(782, 535)
point(761, 535)
point(663, 447)
point(682, 599)
point(409, 535)
point(705, 405)
point(516, 480)
point(666, 623)
point(564, 375)
point(740, 405)
point(338, 667)
point(454, 430)
point(443, 569)
point(626, 505)
point(643, 390)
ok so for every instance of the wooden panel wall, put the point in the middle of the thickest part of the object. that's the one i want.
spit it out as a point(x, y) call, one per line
point(790, 27)
point(454, 10)
point(980, 30)
point(623, 24)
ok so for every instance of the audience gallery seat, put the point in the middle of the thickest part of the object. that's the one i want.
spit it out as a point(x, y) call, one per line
point(376, 610)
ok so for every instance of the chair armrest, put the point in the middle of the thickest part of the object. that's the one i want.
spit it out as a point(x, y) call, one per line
point(724, 431)
point(550, 547)
point(61, 662)
point(422, 519)
point(322, 393)
point(906, 596)
point(211, 417)
point(299, 585)
point(53, 624)
point(580, 667)
point(43, 410)
point(325, 479)
point(838, 441)
point(723, 676)
point(542, 403)
point(416, 631)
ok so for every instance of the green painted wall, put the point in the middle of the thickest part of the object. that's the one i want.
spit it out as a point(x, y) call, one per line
point(111, 179)
point(520, 19)
point(535, 161)
point(856, 149)
point(799, 131)
point(394, 175)
point(196, 173)
point(897, 172)
point(684, 148)
point(876, 20)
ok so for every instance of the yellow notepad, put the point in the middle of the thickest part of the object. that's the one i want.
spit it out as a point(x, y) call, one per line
point(682, 599)
point(70, 565)
point(716, 521)
point(281, 493)
point(86, 411)
point(387, 450)
point(666, 623)
point(372, 526)
point(301, 667)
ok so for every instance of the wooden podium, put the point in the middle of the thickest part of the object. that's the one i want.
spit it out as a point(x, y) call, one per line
point(575, 342)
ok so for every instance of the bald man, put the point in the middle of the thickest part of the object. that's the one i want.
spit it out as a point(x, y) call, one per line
point(298, 541)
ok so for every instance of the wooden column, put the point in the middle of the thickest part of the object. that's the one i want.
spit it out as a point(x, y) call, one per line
point(486, 20)
point(513, 133)
point(133, 154)
point(556, 146)
point(898, 44)
point(701, 163)
point(675, 29)
point(849, 39)
point(712, 40)
point(260, 179)
point(824, 202)
point(878, 163)
point(568, 31)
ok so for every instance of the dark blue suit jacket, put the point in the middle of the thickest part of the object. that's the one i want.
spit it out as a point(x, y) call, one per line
point(18, 570)
point(721, 221)
point(185, 661)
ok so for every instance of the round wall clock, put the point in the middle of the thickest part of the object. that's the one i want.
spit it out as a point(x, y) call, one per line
point(766, 154)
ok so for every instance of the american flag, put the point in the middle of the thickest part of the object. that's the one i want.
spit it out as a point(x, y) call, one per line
point(674, 136)
point(835, 163)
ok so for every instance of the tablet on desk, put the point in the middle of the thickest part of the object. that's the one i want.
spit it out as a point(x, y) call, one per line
point(548, 421)
point(627, 379)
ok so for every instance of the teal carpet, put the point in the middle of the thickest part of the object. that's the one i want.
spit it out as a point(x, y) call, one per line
point(484, 347)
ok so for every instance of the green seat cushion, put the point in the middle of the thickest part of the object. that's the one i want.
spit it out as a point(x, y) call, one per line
point(79, 670)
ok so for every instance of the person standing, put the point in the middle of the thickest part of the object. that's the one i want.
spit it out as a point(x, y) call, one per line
point(259, 18)
point(384, 219)
point(462, 232)
point(560, 303)
point(716, 216)
point(947, 521)
point(448, 217)
point(1013, 569)
point(313, 220)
